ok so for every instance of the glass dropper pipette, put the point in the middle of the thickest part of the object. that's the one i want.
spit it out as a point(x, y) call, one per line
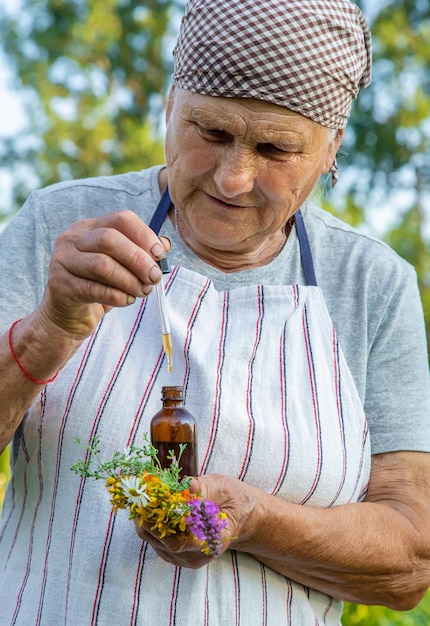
point(165, 267)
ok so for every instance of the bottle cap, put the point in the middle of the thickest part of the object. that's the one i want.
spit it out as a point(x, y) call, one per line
point(175, 393)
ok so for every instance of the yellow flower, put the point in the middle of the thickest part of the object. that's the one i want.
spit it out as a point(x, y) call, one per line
point(118, 499)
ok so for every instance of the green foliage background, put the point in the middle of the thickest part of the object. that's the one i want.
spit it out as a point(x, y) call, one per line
point(4, 473)
point(93, 75)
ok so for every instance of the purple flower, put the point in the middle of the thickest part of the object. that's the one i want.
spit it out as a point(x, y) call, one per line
point(206, 523)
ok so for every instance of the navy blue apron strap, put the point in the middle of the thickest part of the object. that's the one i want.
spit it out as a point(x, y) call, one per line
point(160, 212)
point(305, 250)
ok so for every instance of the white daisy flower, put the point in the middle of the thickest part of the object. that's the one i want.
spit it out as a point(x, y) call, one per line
point(134, 491)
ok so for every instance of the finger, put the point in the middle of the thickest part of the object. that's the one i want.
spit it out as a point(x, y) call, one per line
point(115, 258)
point(196, 485)
point(102, 276)
point(173, 544)
point(183, 553)
point(167, 244)
point(82, 280)
point(67, 291)
point(134, 229)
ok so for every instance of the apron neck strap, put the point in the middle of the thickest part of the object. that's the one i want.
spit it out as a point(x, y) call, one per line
point(160, 212)
point(305, 249)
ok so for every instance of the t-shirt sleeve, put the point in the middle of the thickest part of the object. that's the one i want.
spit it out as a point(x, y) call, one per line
point(397, 400)
point(25, 249)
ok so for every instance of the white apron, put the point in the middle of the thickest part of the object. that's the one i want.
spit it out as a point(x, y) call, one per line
point(275, 406)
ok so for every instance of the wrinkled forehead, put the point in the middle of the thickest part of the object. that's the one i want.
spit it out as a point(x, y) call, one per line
point(309, 56)
point(249, 118)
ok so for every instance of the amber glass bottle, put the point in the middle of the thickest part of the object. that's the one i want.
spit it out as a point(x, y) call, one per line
point(174, 425)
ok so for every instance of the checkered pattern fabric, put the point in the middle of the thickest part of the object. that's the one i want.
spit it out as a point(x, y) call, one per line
point(311, 56)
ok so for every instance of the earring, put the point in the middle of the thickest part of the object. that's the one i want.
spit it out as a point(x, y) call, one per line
point(334, 171)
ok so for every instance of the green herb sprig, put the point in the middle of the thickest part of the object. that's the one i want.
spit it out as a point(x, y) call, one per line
point(134, 461)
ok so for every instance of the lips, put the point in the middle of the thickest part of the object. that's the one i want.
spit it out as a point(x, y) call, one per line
point(225, 202)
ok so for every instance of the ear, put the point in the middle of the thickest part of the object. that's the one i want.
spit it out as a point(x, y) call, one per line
point(170, 101)
point(332, 150)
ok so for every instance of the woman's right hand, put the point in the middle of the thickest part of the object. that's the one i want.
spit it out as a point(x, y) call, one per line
point(98, 264)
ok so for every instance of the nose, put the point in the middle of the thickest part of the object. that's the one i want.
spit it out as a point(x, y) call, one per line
point(236, 172)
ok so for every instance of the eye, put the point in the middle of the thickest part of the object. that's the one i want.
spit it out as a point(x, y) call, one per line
point(272, 151)
point(214, 134)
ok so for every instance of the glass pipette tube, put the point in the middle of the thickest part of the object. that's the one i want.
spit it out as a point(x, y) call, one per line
point(164, 265)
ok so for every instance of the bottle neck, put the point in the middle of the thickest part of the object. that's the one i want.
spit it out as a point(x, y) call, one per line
point(172, 402)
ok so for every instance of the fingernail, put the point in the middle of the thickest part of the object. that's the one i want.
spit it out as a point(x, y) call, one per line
point(158, 251)
point(131, 299)
point(146, 289)
point(155, 274)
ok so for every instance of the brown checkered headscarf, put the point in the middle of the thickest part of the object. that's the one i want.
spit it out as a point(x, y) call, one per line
point(311, 56)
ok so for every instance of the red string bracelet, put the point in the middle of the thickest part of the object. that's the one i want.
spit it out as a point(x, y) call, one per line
point(15, 358)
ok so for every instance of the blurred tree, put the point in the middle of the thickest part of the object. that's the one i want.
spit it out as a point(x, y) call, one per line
point(4, 473)
point(92, 75)
point(389, 130)
point(386, 178)
point(359, 615)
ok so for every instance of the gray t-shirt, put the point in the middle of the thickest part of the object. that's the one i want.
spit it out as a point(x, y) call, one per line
point(371, 293)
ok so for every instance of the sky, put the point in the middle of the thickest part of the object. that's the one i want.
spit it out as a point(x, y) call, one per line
point(11, 113)
point(11, 120)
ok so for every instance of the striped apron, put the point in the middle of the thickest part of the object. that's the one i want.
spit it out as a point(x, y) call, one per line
point(276, 407)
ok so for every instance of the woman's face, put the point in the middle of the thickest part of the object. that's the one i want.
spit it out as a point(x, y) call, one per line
point(238, 169)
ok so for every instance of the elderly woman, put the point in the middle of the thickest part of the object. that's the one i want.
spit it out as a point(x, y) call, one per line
point(299, 342)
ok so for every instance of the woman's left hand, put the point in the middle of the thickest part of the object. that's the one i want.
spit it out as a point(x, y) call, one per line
point(234, 498)
point(371, 552)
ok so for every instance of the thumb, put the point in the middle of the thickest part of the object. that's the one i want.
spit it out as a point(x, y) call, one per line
point(167, 244)
point(198, 486)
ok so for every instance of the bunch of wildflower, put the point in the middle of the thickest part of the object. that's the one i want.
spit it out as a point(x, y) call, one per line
point(152, 494)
